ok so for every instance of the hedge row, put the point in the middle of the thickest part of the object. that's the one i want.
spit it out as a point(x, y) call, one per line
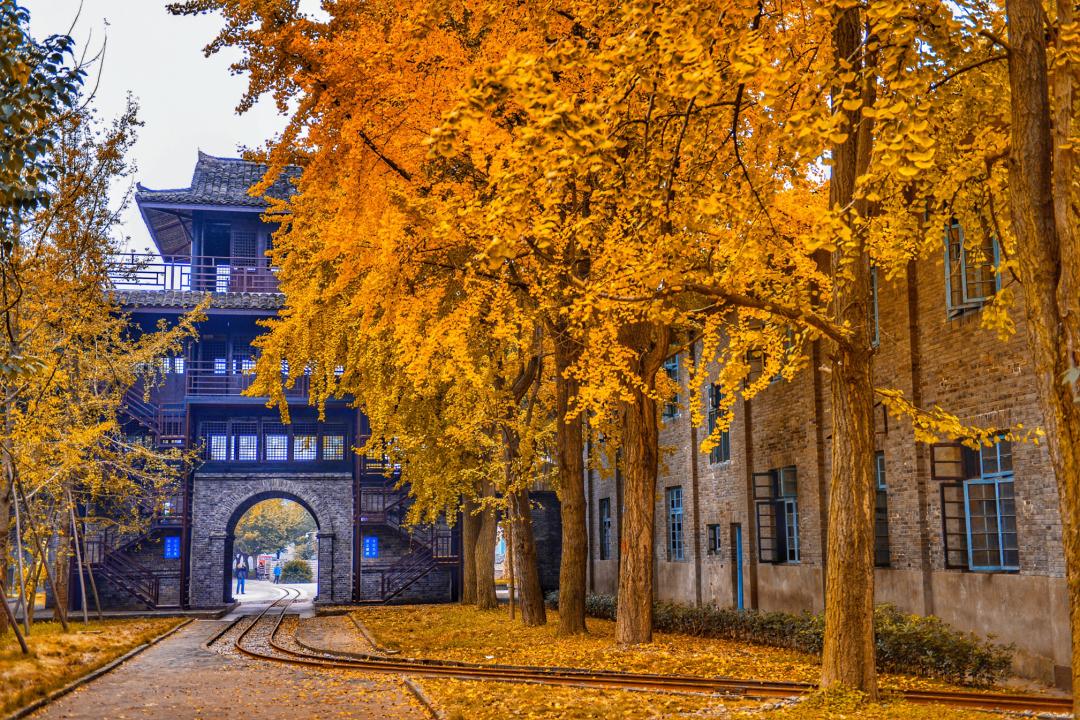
point(911, 644)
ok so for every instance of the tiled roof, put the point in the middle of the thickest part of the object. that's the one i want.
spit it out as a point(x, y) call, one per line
point(221, 181)
point(184, 299)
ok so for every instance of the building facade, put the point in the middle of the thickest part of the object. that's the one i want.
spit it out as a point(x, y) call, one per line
point(212, 239)
point(973, 538)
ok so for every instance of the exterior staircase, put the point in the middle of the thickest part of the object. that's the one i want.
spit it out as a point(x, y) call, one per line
point(165, 423)
point(109, 555)
point(429, 547)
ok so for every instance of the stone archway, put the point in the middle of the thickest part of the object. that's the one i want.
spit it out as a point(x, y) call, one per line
point(219, 501)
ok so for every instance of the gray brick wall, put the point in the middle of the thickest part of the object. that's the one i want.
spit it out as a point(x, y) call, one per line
point(219, 501)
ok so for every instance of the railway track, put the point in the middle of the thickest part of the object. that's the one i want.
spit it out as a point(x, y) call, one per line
point(275, 651)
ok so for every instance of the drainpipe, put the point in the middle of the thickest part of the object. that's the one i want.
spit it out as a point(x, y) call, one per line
point(589, 504)
point(751, 510)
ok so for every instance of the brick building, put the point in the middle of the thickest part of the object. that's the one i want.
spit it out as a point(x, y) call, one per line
point(973, 538)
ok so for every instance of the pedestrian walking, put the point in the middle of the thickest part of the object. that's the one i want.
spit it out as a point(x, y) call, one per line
point(277, 574)
point(241, 576)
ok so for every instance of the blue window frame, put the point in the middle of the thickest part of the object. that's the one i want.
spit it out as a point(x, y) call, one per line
point(881, 513)
point(990, 512)
point(722, 451)
point(971, 276)
point(671, 407)
point(371, 546)
point(172, 547)
point(676, 548)
point(605, 528)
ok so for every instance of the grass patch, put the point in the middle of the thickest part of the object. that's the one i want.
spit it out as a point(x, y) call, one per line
point(456, 632)
point(56, 658)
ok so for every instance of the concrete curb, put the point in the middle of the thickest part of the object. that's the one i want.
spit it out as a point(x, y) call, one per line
point(422, 697)
point(370, 637)
point(94, 675)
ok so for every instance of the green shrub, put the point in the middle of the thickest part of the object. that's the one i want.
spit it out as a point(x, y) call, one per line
point(905, 643)
point(296, 571)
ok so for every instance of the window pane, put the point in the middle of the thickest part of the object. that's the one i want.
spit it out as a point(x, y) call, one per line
point(788, 482)
point(605, 528)
point(675, 530)
point(333, 447)
point(219, 447)
point(768, 541)
point(304, 447)
point(954, 244)
point(983, 525)
point(791, 529)
point(247, 447)
point(277, 447)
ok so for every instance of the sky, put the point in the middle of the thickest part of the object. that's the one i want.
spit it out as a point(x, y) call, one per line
point(187, 101)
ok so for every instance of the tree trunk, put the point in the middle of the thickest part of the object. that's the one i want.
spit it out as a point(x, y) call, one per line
point(640, 456)
point(7, 492)
point(470, 533)
point(1041, 175)
point(530, 594)
point(571, 447)
point(485, 559)
point(848, 653)
point(62, 572)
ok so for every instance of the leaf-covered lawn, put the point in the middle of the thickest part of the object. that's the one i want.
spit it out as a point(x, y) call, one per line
point(467, 700)
point(463, 700)
point(56, 658)
point(454, 632)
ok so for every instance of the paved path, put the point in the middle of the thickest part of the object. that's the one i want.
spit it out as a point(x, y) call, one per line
point(260, 593)
point(179, 679)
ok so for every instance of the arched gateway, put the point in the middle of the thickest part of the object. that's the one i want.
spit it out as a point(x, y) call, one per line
point(221, 499)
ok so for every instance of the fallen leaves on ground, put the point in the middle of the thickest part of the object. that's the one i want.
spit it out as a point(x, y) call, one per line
point(846, 704)
point(456, 632)
point(56, 658)
point(471, 700)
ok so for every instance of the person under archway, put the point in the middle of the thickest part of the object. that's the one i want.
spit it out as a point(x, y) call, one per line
point(241, 576)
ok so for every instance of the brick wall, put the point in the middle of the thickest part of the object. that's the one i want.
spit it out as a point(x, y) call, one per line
point(934, 360)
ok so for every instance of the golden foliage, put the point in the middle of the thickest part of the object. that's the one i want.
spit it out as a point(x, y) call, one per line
point(57, 658)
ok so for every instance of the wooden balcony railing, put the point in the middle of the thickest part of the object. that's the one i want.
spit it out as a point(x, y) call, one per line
point(200, 273)
point(220, 377)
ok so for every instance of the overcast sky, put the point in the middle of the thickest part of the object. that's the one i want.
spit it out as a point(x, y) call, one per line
point(187, 102)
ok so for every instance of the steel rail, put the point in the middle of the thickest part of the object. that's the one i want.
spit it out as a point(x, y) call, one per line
point(749, 689)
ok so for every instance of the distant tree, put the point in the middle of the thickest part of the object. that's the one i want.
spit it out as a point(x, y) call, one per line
point(305, 549)
point(296, 571)
point(272, 525)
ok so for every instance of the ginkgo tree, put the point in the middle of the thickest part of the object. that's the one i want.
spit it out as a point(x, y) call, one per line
point(371, 235)
point(72, 464)
point(645, 179)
